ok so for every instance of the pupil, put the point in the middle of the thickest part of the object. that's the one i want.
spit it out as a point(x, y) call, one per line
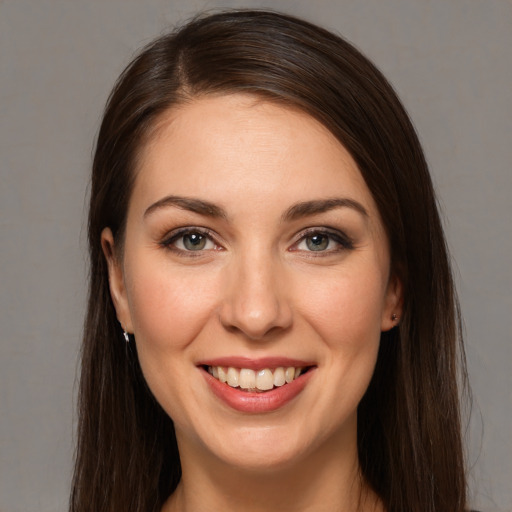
point(194, 241)
point(317, 242)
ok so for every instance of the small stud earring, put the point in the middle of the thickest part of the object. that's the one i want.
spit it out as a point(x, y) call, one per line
point(394, 317)
point(126, 337)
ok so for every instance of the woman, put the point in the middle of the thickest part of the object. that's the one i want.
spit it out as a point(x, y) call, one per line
point(272, 323)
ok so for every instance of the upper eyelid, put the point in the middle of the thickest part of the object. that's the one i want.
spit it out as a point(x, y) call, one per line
point(174, 234)
point(322, 231)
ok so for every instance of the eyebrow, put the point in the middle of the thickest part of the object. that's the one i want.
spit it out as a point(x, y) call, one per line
point(187, 203)
point(314, 207)
point(296, 211)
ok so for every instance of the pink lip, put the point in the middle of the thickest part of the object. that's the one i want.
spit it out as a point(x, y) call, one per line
point(248, 402)
point(255, 364)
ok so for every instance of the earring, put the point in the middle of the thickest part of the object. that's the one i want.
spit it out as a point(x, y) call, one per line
point(394, 317)
point(126, 337)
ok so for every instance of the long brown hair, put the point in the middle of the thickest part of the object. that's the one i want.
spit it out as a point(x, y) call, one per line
point(409, 436)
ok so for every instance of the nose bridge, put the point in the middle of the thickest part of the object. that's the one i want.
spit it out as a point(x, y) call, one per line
point(255, 303)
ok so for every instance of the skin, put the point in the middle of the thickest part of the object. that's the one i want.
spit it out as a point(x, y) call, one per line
point(256, 289)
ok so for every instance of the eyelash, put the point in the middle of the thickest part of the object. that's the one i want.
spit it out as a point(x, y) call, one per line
point(168, 242)
point(339, 238)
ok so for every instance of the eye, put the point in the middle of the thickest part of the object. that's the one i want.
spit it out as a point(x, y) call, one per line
point(319, 242)
point(323, 241)
point(190, 240)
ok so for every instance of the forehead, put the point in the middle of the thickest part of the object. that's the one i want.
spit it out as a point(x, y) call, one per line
point(238, 145)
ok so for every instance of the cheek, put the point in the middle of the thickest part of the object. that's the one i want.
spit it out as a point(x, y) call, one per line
point(168, 308)
point(347, 309)
point(346, 315)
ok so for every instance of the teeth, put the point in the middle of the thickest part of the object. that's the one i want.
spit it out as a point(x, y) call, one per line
point(222, 374)
point(262, 380)
point(233, 377)
point(289, 374)
point(279, 378)
point(247, 379)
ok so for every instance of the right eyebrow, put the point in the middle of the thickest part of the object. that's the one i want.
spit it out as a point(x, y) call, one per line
point(317, 206)
point(188, 203)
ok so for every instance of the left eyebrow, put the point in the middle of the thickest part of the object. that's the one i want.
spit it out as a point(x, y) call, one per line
point(188, 203)
point(307, 208)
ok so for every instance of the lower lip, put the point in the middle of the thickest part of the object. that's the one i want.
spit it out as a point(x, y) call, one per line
point(267, 401)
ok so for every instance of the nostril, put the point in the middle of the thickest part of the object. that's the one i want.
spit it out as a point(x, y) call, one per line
point(255, 329)
point(254, 305)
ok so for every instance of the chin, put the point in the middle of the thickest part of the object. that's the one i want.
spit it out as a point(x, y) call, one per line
point(262, 459)
point(264, 449)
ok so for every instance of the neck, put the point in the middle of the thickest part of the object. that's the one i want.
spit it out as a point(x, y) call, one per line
point(324, 481)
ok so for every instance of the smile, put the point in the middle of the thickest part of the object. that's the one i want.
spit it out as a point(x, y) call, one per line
point(257, 386)
point(258, 381)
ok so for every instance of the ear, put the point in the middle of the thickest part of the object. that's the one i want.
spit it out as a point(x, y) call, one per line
point(393, 305)
point(116, 280)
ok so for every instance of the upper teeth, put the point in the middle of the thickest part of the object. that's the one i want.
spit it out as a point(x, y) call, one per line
point(262, 380)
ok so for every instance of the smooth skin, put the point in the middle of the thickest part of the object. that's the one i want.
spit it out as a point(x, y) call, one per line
point(251, 232)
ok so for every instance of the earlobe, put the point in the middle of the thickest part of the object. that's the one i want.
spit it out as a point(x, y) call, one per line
point(116, 280)
point(393, 307)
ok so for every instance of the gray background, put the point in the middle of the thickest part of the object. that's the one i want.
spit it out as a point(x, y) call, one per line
point(451, 62)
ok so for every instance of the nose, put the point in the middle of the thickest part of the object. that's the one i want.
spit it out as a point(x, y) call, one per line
point(255, 302)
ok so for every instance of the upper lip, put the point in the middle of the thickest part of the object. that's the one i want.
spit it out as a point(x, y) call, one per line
point(255, 364)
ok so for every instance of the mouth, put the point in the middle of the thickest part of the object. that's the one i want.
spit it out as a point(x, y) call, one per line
point(259, 385)
point(256, 381)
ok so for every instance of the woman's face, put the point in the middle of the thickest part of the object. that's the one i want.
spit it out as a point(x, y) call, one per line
point(254, 252)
